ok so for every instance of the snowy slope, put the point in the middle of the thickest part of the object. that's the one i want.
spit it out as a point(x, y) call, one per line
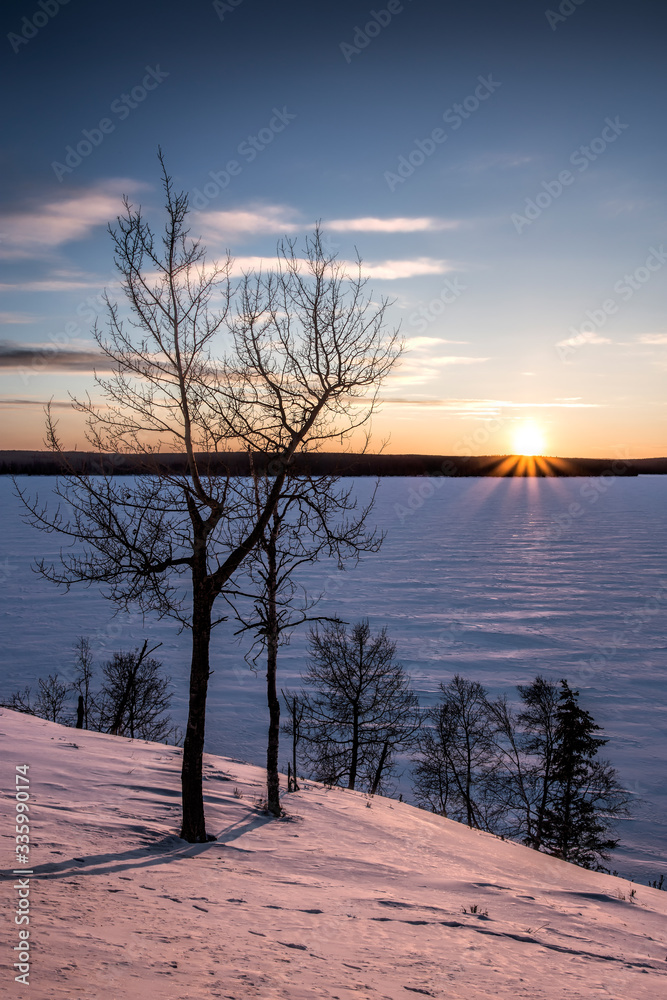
point(339, 901)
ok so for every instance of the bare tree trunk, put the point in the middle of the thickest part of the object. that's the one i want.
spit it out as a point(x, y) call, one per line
point(194, 824)
point(272, 780)
point(79, 713)
point(355, 746)
point(378, 771)
point(295, 740)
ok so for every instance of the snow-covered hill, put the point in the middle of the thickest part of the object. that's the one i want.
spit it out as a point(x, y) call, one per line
point(346, 898)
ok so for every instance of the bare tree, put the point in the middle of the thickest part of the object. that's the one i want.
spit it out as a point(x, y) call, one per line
point(315, 518)
point(524, 742)
point(21, 701)
point(134, 698)
point(295, 705)
point(362, 711)
point(296, 376)
point(82, 682)
point(51, 699)
point(49, 703)
point(457, 764)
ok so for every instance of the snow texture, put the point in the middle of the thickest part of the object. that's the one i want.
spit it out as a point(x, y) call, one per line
point(345, 898)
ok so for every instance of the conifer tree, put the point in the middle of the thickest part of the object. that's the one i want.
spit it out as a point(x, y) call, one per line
point(585, 794)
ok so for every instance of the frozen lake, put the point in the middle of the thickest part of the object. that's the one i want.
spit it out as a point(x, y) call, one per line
point(497, 579)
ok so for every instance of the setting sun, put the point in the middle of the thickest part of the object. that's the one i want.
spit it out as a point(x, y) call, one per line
point(528, 440)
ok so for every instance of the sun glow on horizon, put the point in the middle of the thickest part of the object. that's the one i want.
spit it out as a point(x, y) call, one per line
point(528, 440)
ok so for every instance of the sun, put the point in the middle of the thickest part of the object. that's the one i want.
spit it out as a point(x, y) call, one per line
point(528, 440)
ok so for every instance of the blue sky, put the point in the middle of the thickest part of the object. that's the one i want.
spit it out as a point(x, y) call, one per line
point(499, 167)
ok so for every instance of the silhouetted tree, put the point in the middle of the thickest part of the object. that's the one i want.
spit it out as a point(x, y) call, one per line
point(523, 746)
point(51, 699)
point(456, 766)
point(531, 774)
point(362, 711)
point(308, 355)
point(295, 705)
point(21, 701)
point(82, 683)
point(538, 722)
point(134, 697)
point(315, 518)
point(586, 796)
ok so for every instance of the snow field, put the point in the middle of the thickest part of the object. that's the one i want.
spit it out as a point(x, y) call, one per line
point(348, 897)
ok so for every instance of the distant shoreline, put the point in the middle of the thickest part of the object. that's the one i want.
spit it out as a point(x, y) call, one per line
point(44, 463)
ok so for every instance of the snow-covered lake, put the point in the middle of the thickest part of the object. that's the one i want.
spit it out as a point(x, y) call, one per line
point(496, 579)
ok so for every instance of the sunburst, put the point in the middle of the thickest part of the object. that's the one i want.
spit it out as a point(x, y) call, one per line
point(528, 440)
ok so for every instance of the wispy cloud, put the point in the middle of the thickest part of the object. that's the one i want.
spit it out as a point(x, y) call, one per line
point(389, 270)
point(55, 282)
point(421, 343)
point(255, 220)
point(12, 318)
point(371, 224)
point(9, 403)
point(583, 339)
point(653, 338)
point(455, 359)
point(386, 270)
point(48, 357)
point(496, 161)
point(426, 370)
point(250, 221)
point(486, 406)
point(38, 230)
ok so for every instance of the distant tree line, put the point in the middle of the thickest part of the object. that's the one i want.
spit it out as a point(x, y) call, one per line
point(26, 463)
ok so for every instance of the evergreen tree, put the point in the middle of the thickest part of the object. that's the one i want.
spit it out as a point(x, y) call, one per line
point(585, 796)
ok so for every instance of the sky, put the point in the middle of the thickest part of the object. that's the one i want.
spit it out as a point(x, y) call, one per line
point(500, 169)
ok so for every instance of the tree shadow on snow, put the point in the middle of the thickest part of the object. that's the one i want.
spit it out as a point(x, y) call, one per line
point(164, 851)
